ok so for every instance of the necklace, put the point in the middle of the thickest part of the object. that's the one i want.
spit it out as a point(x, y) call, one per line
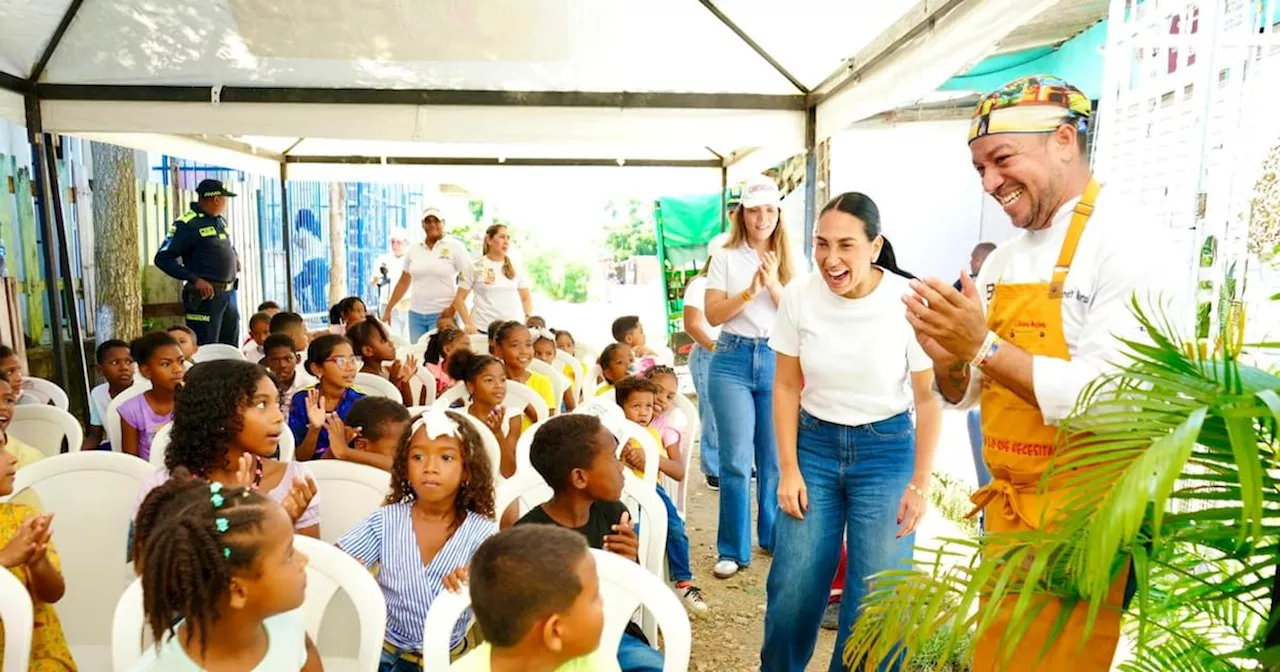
point(257, 472)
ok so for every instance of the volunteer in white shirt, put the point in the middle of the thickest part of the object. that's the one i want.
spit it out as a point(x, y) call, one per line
point(1042, 322)
point(435, 269)
point(501, 288)
point(744, 287)
point(849, 372)
point(387, 270)
point(704, 343)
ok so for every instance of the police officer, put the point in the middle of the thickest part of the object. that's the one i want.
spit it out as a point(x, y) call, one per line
point(199, 253)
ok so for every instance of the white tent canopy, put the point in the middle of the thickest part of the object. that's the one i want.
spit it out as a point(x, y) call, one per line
point(676, 81)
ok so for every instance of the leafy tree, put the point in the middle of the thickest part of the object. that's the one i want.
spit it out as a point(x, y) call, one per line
point(633, 232)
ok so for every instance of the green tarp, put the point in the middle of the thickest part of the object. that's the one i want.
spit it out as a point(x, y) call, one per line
point(687, 224)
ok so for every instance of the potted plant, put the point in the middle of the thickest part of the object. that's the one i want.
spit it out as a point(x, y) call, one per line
point(1174, 466)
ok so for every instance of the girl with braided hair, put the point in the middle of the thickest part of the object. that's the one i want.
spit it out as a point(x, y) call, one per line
point(227, 425)
point(221, 581)
point(439, 511)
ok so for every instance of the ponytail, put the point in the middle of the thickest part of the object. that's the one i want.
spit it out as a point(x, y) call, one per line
point(861, 207)
point(889, 261)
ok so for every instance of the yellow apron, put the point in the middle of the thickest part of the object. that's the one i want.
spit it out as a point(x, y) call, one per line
point(1017, 446)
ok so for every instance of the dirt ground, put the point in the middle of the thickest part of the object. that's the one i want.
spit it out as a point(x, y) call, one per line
point(728, 637)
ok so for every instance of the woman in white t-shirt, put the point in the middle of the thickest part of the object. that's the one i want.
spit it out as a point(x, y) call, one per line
point(501, 289)
point(435, 269)
point(704, 343)
point(744, 286)
point(849, 372)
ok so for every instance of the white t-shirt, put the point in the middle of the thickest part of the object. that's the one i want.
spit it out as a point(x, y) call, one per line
point(497, 297)
point(856, 354)
point(302, 380)
point(99, 400)
point(731, 272)
point(1118, 255)
point(435, 272)
point(695, 296)
point(253, 352)
point(286, 649)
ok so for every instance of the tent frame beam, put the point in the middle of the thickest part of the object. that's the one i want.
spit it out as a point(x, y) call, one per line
point(55, 40)
point(755, 46)
point(446, 97)
point(918, 20)
point(487, 161)
point(15, 84)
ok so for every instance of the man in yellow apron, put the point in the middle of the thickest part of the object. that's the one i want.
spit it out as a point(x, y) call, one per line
point(1038, 325)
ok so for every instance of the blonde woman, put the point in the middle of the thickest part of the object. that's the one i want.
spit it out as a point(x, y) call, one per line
point(744, 289)
point(501, 288)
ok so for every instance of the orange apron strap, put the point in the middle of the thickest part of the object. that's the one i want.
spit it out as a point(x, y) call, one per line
point(1083, 210)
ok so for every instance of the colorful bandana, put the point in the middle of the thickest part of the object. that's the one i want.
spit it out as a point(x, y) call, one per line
point(1037, 104)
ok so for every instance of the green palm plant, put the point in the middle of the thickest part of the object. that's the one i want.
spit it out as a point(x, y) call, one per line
point(1171, 462)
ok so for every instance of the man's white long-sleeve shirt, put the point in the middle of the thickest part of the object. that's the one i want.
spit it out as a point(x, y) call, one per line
point(1118, 256)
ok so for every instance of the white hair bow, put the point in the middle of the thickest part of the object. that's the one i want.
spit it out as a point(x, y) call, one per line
point(437, 424)
point(539, 334)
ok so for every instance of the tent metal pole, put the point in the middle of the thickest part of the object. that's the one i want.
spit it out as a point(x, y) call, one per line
point(54, 41)
point(487, 161)
point(755, 46)
point(15, 84)
point(285, 235)
point(445, 97)
point(39, 171)
point(810, 177)
point(81, 389)
point(724, 198)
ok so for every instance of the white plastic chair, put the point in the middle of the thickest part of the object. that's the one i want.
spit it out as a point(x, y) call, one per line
point(624, 587)
point(528, 488)
point(329, 570)
point(564, 360)
point(128, 629)
point(377, 386)
point(48, 388)
point(559, 383)
point(215, 351)
point(591, 386)
point(692, 426)
point(518, 397)
point(112, 418)
point(92, 495)
point(480, 344)
point(45, 427)
point(355, 490)
point(423, 386)
point(18, 616)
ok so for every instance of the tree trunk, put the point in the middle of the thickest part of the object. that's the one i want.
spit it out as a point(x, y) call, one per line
point(115, 253)
point(337, 242)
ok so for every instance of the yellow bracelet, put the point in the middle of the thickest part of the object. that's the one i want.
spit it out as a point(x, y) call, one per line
point(747, 296)
point(912, 487)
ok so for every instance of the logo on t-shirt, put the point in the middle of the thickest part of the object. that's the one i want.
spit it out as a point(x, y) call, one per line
point(489, 276)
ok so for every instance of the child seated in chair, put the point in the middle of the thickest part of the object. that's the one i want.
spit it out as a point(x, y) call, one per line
point(259, 330)
point(628, 331)
point(161, 360)
point(577, 456)
point(26, 549)
point(637, 397)
point(615, 364)
point(373, 345)
point(115, 365)
point(11, 370)
point(186, 338)
point(22, 452)
point(375, 427)
point(535, 594)
point(282, 361)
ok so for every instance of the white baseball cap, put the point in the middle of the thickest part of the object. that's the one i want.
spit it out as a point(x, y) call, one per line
point(400, 234)
point(760, 190)
point(432, 212)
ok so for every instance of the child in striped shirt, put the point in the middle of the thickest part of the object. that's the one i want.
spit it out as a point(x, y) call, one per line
point(438, 512)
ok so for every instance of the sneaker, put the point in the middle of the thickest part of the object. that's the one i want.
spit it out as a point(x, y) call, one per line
point(831, 617)
point(713, 482)
point(725, 569)
point(691, 595)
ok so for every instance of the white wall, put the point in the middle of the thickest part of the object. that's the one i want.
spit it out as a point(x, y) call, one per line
point(931, 202)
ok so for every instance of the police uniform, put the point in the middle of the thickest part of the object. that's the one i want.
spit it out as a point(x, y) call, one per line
point(198, 248)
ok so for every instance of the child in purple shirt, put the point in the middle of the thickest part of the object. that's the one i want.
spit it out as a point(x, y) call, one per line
point(160, 361)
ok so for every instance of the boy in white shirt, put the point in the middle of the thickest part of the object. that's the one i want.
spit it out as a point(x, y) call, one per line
point(115, 365)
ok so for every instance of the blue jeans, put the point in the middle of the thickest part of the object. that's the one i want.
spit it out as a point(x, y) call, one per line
point(392, 662)
point(855, 477)
point(709, 446)
point(741, 386)
point(636, 656)
point(420, 324)
point(677, 541)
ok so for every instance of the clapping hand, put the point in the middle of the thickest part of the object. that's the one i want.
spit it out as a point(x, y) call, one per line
point(299, 498)
point(623, 541)
point(456, 580)
point(30, 544)
point(341, 437)
point(316, 415)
